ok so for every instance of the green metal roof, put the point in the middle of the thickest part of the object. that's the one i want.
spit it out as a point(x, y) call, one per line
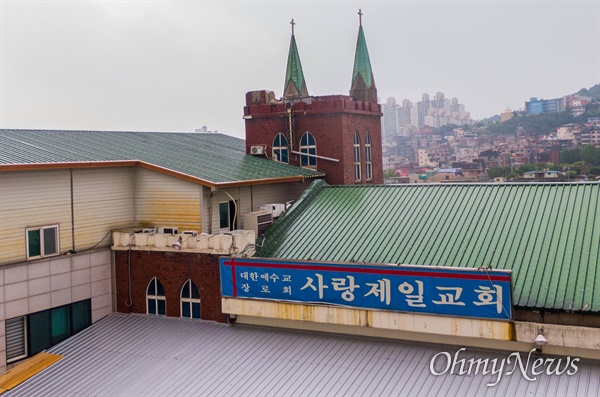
point(295, 85)
point(215, 158)
point(547, 234)
point(362, 62)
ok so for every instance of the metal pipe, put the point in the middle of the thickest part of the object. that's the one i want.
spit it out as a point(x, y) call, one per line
point(315, 156)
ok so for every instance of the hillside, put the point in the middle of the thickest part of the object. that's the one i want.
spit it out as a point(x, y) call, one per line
point(593, 92)
point(545, 123)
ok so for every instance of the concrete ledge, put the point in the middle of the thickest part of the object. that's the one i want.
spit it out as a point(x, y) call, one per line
point(219, 244)
point(560, 335)
point(395, 321)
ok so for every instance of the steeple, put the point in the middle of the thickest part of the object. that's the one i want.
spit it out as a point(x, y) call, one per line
point(363, 83)
point(295, 86)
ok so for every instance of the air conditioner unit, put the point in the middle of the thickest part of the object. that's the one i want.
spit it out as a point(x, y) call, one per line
point(257, 149)
point(259, 221)
point(192, 233)
point(168, 230)
point(275, 209)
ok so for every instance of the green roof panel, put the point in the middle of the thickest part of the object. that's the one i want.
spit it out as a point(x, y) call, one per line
point(215, 158)
point(548, 234)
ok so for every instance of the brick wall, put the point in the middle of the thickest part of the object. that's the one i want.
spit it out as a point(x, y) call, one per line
point(172, 269)
point(333, 122)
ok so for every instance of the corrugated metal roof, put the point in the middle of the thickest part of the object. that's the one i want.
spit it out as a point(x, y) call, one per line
point(216, 158)
point(547, 234)
point(137, 355)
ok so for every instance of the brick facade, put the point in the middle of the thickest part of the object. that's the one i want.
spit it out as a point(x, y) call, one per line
point(333, 121)
point(172, 269)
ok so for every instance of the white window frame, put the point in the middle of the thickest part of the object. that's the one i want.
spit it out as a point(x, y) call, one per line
point(41, 230)
point(155, 297)
point(26, 348)
point(189, 300)
point(311, 162)
point(357, 173)
point(278, 151)
point(368, 158)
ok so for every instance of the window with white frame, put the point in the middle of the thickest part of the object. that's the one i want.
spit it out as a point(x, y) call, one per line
point(155, 298)
point(42, 241)
point(228, 215)
point(356, 156)
point(308, 145)
point(190, 300)
point(281, 151)
point(368, 159)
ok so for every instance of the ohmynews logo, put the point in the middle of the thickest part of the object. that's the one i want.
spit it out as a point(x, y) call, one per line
point(529, 369)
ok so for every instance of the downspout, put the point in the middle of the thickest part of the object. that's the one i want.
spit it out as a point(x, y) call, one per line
point(72, 213)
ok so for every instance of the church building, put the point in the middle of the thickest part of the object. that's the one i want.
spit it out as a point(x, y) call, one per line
point(339, 135)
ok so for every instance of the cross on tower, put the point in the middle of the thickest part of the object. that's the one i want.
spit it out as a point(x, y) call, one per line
point(360, 14)
point(292, 23)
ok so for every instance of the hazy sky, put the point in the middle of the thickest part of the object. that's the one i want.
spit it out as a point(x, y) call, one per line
point(176, 65)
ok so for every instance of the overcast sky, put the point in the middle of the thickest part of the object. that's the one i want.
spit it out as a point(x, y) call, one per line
point(177, 65)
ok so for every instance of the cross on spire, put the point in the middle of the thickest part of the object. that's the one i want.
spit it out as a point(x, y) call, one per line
point(360, 14)
point(292, 23)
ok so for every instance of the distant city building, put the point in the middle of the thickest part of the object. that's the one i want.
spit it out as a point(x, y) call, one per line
point(435, 112)
point(506, 115)
point(577, 103)
point(389, 121)
point(537, 106)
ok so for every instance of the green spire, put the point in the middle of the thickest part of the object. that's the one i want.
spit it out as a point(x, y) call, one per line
point(295, 86)
point(363, 83)
point(362, 63)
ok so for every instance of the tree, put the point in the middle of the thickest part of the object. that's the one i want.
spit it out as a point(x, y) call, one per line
point(570, 156)
point(528, 167)
point(595, 171)
point(590, 155)
point(390, 173)
point(495, 172)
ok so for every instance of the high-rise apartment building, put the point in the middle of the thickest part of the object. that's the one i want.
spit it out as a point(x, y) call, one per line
point(435, 112)
point(389, 121)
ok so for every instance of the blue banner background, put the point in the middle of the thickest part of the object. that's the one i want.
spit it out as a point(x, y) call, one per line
point(434, 290)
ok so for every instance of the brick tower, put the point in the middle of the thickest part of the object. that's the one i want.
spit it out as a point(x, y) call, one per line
point(337, 134)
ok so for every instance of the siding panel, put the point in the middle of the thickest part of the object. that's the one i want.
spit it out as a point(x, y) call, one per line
point(162, 200)
point(103, 200)
point(28, 199)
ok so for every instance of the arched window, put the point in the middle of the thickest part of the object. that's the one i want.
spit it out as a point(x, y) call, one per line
point(356, 156)
point(190, 300)
point(308, 145)
point(155, 298)
point(281, 151)
point(368, 160)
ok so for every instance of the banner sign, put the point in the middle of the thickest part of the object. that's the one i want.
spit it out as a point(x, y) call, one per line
point(404, 288)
